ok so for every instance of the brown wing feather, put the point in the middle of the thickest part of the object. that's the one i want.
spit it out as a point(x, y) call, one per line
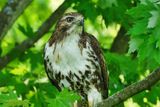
point(95, 45)
point(54, 82)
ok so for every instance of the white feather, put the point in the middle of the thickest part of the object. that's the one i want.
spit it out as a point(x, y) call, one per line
point(70, 57)
point(94, 97)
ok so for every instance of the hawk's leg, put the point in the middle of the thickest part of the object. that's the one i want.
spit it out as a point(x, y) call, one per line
point(82, 103)
point(94, 97)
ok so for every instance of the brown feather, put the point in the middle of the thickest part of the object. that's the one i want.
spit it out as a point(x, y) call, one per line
point(53, 81)
point(96, 47)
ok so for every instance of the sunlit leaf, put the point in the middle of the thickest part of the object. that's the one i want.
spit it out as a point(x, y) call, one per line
point(134, 44)
point(21, 69)
point(153, 20)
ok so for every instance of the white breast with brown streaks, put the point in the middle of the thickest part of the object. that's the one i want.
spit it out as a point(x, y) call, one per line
point(67, 56)
point(72, 67)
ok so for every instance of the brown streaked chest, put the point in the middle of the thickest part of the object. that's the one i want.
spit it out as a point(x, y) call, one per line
point(70, 59)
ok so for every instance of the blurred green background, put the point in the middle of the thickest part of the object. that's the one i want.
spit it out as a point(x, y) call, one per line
point(129, 34)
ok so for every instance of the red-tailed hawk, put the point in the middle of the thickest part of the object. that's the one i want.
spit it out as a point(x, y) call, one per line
point(73, 59)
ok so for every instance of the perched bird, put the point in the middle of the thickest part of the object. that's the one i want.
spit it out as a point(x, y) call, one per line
point(73, 59)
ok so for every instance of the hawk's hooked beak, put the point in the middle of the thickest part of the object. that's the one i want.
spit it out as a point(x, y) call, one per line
point(82, 22)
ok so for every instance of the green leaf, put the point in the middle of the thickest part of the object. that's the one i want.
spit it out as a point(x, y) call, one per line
point(153, 20)
point(107, 3)
point(156, 55)
point(22, 29)
point(21, 88)
point(69, 96)
point(6, 80)
point(11, 100)
point(8, 96)
point(28, 31)
point(134, 44)
point(64, 99)
point(158, 44)
point(144, 50)
point(56, 103)
point(120, 65)
point(139, 11)
point(16, 103)
point(139, 27)
point(38, 98)
point(50, 90)
point(148, 1)
point(88, 9)
point(0, 51)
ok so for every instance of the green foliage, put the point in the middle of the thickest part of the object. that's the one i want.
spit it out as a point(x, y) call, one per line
point(145, 32)
point(24, 82)
point(11, 100)
point(121, 67)
point(107, 3)
point(63, 99)
point(28, 31)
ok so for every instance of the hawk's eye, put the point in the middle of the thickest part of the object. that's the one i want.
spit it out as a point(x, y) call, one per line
point(69, 19)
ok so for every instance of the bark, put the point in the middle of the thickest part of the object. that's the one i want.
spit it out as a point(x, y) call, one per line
point(131, 90)
point(11, 11)
point(120, 43)
point(20, 49)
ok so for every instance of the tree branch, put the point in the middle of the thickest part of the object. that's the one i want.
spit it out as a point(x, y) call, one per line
point(120, 43)
point(18, 50)
point(131, 90)
point(11, 11)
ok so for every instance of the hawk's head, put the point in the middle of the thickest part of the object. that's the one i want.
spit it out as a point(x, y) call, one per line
point(71, 23)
